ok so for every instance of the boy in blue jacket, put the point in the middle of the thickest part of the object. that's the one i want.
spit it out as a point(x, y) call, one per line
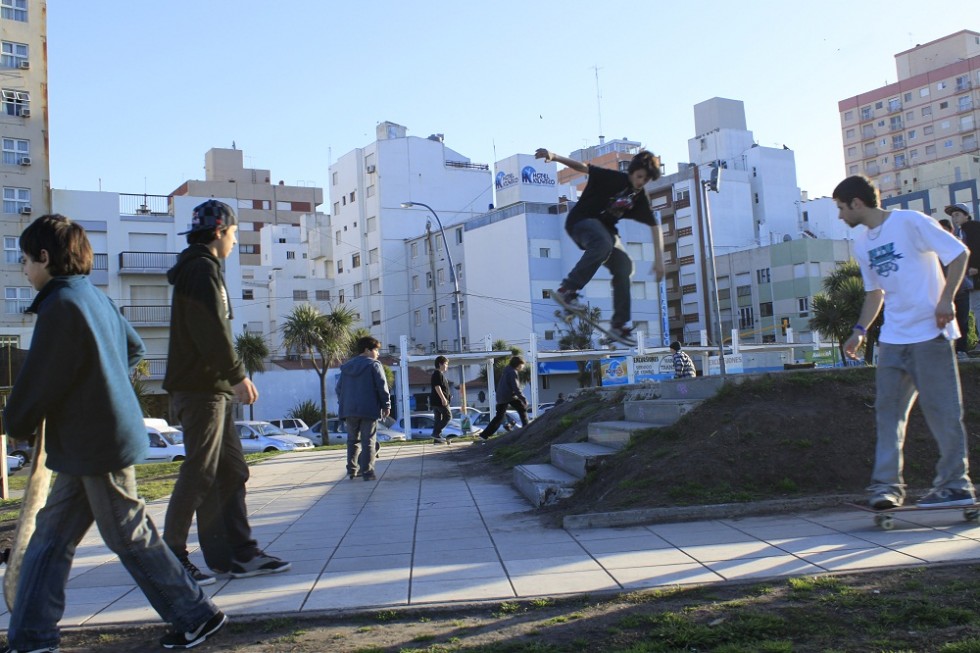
point(82, 351)
point(363, 397)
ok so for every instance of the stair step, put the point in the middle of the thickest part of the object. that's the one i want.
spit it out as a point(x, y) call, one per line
point(543, 484)
point(703, 387)
point(659, 412)
point(579, 458)
point(614, 434)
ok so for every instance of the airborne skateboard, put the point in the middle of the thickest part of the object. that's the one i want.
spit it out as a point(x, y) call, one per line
point(35, 496)
point(568, 313)
point(885, 519)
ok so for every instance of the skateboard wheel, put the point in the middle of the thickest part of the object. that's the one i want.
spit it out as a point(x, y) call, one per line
point(885, 522)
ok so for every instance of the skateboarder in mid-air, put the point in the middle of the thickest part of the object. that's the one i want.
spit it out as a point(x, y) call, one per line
point(609, 196)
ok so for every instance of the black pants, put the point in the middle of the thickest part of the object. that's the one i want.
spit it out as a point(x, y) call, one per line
point(442, 415)
point(498, 417)
point(961, 302)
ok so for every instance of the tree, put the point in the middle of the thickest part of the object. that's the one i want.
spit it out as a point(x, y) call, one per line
point(578, 335)
point(136, 377)
point(323, 337)
point(252, 349)
point(838, 308)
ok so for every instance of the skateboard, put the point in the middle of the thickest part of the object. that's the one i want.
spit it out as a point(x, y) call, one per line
point(885, 519)
point(568, 314)
point(35, 496)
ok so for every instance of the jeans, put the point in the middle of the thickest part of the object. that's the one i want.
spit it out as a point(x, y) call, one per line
point(501, 412)
point(442, 417)
point(927, 370)
point(110, 500)
point(602, 248)
point(361, 434)
point(212, 479)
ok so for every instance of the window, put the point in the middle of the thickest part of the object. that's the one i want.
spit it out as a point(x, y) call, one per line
point(913, 154)
point(462, 308)
point(358, 288)
point(943, 105)
point(372, 224)
point(355, 261)
point(894, 104)
point(851, 152)
point(373, 256)
point(866, 113)
point(940, 86)
point(352, 197)
point(18, 298)
point(852, 170)
point(544, 252)
point(459, 236)
point(948, 143)
point(375, 318)
point(804, 305)
point(879, 105)
point(899, 160)
point(290, 256)
point(370, 190)
point(16, 199)
point(907, 98)
point(965, 103)
point(924, 91)
point(441, 276)
point(337, 237)
point(909, 116)
point(911, 134)
point(336, 208)
point(459, 271)
point(549, 335)
point(432, 314)
point(375, 286)
point(849, 133)
point(12, 55)
point(14, 102)
point(765, 309)
point(14, 10)
point(299, 295)
point(340, 295)
point(743, 291)
point(962, 83)
point(848, 115)
point(11, 249)
point(340, 266)
point(428, 279)
point(928, 130)
point(930, 149)
point(443, 313)
point(415, 250)
point(926, 111)
point(248, 249)
point(322, 295)
point(418, 318)
point(682, 195)
point(248, 294)
point(746, 317)
point(415, 282)
point(762, 275)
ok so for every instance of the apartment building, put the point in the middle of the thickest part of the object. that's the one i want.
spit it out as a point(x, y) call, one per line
point(930, 115)
point(24, 169)
point(365, 253)
point(615, 154)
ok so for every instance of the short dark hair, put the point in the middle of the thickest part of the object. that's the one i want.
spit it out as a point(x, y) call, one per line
point(646, 161)
point(676, 345)
point(516, 361)
point(202, 236)
point(440, 360)
point(368, 342)
point(69, 250)
point(857, 187)
point(946, 224)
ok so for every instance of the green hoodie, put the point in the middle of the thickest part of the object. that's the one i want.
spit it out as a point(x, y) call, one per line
point(201, 357)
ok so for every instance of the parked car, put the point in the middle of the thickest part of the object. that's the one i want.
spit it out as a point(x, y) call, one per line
point(14, 463)
point(173, 433)
point(337, 433)
point(162, 448)
point(511, 420)
point(262, 436)
point(20, 449)
point(544, 408)
point(421, 427)
point(291, 425)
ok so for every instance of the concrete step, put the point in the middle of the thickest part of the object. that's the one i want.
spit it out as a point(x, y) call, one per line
point(579, 458)
point(659, 412)
point(543, 484)
point(702, 387)
point(614, 434)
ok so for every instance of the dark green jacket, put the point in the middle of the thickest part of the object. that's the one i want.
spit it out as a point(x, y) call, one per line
point(202, 356)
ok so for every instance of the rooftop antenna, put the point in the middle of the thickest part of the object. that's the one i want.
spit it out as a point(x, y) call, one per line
point(598, 101)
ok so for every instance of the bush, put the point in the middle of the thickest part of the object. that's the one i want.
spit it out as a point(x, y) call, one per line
point(306, 410)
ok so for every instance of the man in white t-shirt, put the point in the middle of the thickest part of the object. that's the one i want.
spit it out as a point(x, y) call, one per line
point(901, 253)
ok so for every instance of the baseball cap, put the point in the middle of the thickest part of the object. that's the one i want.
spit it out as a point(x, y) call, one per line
point(210, 215)
point(958, 207)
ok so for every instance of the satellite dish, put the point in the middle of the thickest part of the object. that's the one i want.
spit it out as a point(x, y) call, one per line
point(787, 238)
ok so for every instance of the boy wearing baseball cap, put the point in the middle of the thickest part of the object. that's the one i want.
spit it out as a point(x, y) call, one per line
point(204, 373)
point(968, 230)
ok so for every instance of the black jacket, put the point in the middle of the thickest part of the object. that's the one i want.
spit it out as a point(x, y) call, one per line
point(202, 357)
point(971, 238)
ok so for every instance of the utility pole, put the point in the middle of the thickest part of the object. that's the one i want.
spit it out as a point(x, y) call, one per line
point(432, 275)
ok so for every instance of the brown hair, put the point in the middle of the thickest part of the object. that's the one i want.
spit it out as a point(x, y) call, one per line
point(367, 343)
point(68, 248)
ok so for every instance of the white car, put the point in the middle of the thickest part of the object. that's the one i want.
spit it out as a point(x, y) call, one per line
point(421, 427)
point(337, 433)
point(511, 419)
point(291, 425)
point(262, 436)
point(14, 463)
point(173, 434)
point(162, 448)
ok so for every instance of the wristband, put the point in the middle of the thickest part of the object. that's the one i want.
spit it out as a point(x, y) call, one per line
point(858, 327)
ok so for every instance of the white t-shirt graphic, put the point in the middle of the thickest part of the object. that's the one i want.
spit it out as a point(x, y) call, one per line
point(902, 257)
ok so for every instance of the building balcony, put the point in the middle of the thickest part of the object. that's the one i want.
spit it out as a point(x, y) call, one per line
point(158, 368)
point(147, 316)
point(894, 108)
point(964, 107)
point(146, 262)
point(898, 145)
point(868, 132)
point(896, 126)
point(964, 85)
point(156, 205)
point(969, 146)
point(871, 151)
point(682, 203)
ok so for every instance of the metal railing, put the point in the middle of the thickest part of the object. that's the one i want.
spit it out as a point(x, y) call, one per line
point(100, 262)
point(146, 262)
point(130, 204)
point(143, 315)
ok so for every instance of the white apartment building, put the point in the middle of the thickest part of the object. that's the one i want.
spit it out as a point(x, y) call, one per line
point(135, 241)
point(24, 169)
point(365, 255)
point(929, 115)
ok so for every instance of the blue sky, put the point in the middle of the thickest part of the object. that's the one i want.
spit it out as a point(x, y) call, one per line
point(139, 91)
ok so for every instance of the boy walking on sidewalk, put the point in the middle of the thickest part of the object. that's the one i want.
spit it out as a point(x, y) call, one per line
point(81, 354)
point(203, 374)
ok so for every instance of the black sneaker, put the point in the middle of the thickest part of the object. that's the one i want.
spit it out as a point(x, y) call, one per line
point(438, 440)
point(198, 575)
point(262, 564)
point(568, 299)
point(192, 639)
point(370, 476)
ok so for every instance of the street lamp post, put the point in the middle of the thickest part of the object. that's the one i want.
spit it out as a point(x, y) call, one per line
point(464, 418)
point(713, 184)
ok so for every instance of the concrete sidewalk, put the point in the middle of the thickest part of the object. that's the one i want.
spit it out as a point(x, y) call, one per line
point(424, 534)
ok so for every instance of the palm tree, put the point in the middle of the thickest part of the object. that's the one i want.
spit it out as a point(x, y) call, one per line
point(136, 377)
point(324, 337)
point(578, 335)
point(252, 349)
point(837, 309)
